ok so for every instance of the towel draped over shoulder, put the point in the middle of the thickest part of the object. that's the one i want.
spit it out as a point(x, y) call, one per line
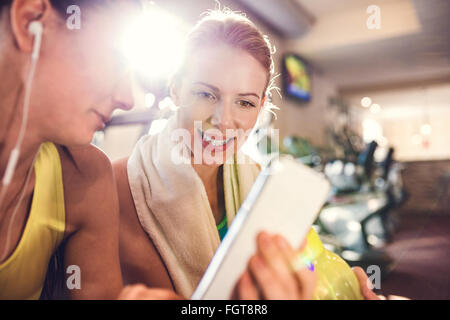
point(173, 207)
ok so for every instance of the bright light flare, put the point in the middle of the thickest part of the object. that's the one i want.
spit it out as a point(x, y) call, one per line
point(375, 108)
point(366, 102)
point(157, 126)
point(372, 130)
point(167, 103)
point(149, 100)
point(382, 141)
point(153, 43)
point(426, 129)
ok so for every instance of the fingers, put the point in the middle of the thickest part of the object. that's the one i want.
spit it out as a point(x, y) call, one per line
point(246, 289)
point(303, 245)
point(273, 273)
point(365, 284)
point(285, 247)
point(278, 260)
point(267, 281)
point(306, 279)
point(394, 297)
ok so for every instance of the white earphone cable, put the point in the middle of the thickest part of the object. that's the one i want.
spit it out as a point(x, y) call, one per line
point(16, 209)
point(35, 28)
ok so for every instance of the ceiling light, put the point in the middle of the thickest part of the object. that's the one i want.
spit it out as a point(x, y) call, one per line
point(366, 102)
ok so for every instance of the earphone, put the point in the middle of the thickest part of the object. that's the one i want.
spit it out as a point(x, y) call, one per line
point(36, 29)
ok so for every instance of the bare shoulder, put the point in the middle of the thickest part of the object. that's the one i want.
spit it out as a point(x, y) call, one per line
point(128, 212)
point(139, 258)
point(92, 220)
point(121, 175)
point(85, 162)
point(89, 186)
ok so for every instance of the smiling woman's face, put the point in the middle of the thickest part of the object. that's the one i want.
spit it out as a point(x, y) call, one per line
point(220, 95)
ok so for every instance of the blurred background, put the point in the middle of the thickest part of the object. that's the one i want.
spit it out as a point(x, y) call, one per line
point(365, 88)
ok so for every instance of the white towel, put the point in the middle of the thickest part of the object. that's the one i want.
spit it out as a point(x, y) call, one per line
point(173, 207)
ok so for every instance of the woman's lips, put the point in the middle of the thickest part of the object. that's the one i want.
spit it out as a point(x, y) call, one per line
point(102, 120)
point(214, 144)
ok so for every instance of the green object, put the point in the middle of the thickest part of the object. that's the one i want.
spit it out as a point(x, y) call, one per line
point(300, 149)
point(223, 228)
point(335, 279)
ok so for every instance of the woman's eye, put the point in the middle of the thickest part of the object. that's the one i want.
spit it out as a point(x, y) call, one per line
point(246, 104)
point(206, 95)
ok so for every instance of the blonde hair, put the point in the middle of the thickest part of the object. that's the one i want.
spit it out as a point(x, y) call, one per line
point(234, 29)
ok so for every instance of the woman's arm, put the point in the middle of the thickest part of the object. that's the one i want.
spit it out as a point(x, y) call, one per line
point(92, 223)
point(92, 233)
point(140, 261)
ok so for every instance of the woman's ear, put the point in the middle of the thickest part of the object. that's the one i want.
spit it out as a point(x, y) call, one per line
point(22, 13)
point(263, 101)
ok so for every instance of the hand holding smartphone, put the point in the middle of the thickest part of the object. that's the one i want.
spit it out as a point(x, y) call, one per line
point(285, 199)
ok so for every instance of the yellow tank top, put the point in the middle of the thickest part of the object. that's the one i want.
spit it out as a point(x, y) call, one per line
point(22, 275)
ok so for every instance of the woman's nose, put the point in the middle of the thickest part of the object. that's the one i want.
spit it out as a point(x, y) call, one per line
point(223, 117)
point(123, 94)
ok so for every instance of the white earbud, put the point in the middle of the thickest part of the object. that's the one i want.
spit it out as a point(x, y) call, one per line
point(35, 28)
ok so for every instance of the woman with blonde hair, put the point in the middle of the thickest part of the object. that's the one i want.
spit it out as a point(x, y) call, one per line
point(180, 189)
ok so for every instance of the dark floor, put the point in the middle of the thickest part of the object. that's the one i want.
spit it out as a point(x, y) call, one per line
point(421, 249)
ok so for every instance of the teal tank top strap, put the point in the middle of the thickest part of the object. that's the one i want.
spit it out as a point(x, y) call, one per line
point(223, 228)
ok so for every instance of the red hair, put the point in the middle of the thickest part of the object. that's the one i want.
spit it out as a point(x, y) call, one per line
point(236, 30)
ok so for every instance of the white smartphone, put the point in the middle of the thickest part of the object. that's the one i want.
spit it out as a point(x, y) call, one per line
point(285, 199)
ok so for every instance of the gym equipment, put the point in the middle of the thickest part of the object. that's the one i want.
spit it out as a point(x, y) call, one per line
point(358, 215)
point(300, 149)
